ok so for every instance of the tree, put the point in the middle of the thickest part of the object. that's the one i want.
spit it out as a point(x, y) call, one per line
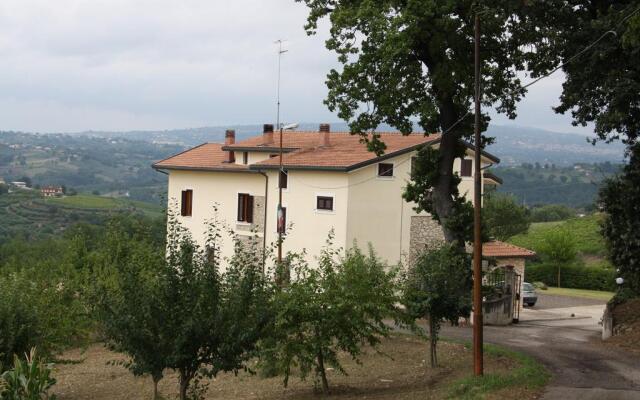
point(182, 309)
point(128, 299)
point(413, 61)
point(503, 217)
point(438, 288)
point(559, 248)
point(338, 307)
point(604, 86)
point(620, 201)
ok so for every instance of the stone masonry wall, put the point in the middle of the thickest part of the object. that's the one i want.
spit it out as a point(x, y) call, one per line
point(424, 233)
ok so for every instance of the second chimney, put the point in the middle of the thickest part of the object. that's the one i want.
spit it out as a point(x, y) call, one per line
point(267, 133)
point(325, 133)
point(229, 139)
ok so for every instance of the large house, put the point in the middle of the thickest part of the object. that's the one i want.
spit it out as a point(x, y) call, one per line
point(330, 182)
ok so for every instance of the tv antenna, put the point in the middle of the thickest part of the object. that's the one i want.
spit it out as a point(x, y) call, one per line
point(281, 51)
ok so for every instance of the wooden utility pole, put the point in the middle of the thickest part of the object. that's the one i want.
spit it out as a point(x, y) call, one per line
point(478, 366)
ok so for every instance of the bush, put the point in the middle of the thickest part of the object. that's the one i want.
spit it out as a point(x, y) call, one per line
point(551, 212)
point(574, 276)
point(30, 379)
point(540, 285)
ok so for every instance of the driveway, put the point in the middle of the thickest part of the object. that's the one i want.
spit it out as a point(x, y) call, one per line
point(566, 339)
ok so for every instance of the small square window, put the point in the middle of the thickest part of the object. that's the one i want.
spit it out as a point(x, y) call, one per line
point(324, 203)
point(466, 167)
point(385, 169)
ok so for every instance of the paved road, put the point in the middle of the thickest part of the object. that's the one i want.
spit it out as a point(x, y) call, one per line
point(581, 366)
point(547, 301)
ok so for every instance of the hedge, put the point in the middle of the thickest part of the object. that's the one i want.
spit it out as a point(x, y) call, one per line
point(574, 276)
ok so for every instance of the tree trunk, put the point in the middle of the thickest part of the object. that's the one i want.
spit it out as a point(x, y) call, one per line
point(323, 373)
point(433, 340)
point(184, 384)
point(155, 387)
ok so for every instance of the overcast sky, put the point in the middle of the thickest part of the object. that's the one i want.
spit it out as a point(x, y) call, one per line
point(74, 65)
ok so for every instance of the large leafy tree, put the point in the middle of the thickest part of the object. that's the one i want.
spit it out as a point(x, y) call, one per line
point(620, 198)
point(503, 217)
point(412, 60)
point(603, 85)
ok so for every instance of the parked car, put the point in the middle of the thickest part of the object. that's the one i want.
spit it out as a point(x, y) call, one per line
point(529, 295)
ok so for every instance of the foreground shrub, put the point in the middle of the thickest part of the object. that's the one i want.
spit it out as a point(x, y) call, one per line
point(439, 288)
point(340, 306)
point(30, 379)
point(574, 276)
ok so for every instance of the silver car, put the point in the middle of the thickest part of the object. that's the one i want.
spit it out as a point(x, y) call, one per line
point(529, 295)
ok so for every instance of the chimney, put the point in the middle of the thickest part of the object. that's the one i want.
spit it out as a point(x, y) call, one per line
point(267, 133)
point(229, 139)
point(325, 132)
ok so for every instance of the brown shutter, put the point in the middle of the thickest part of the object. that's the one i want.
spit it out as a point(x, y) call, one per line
point(240, 207)
point(189, 202)
point(183, 204)
point(249, 211)
point(465, 167)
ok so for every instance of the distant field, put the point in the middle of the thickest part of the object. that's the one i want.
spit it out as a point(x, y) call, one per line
point(588, 294)
point(26, 213)
point(586, 230)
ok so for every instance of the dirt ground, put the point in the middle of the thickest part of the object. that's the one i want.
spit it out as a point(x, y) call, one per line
point(402, 374)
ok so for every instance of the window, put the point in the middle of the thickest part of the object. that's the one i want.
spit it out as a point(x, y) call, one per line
point(284, 181)
point(466, 166)
point(187, 203)
point(245, 207)
point(324, 203)
point(282, 220)
point(385, 169)
point(245, 158)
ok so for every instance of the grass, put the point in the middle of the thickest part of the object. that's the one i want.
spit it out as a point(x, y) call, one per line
point(529, 375)
point(586, 294)
point(107, 203)
point(586, 231)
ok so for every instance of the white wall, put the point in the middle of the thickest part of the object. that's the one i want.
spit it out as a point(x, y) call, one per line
point(209, 188)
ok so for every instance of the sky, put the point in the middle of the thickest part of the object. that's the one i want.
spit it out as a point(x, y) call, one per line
point(118, 65)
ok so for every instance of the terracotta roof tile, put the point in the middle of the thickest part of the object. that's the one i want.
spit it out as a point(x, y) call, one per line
point(501, 249)
point(207, 156)
point(345, 150)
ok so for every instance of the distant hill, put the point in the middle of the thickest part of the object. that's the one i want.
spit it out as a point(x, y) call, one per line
point(26, 213)
point(514, 145)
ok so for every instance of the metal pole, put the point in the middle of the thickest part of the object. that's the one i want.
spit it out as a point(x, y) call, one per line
point(279, 126)
point(477, 206)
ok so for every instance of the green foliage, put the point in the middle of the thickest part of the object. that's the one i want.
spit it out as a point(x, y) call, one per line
point(574, 275)
point(438, 288)
point(179, 307)
point(503, 217)
point(585, 230)
point(528, 373)
point(338, 307)
point(551, 212)
point(620, 199)
point(29, 379)
point(558, 246)
point(413, 61)
point(603, 88)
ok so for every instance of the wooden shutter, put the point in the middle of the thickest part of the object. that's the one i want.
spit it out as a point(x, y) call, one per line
point(466, 166)
point(240, 207)
point(249, 211)
point(186, 204)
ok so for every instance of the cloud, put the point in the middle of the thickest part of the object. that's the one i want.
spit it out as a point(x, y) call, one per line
point(71, 65)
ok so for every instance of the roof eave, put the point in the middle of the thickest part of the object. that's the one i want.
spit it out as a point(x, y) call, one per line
point(209, 169)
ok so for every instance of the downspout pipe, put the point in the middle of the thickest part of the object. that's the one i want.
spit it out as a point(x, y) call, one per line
point(264, 233)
